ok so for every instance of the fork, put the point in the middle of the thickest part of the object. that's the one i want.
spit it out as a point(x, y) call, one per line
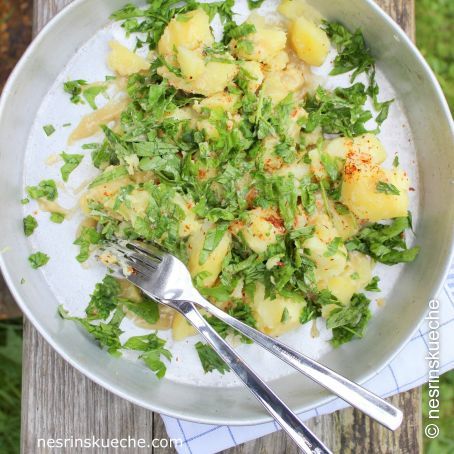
point(166, 279)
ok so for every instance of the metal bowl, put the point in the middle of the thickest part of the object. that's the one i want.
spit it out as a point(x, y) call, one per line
point(432, 130)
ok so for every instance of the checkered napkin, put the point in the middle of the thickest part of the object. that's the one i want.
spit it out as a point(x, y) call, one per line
point(406, 371)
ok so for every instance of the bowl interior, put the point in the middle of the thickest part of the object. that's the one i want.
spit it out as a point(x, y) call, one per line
point(431, 128)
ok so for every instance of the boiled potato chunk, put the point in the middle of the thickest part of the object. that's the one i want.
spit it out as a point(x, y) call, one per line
point(310, 42)
point(346, 224)
point(228, 102)
point(215, 77)
point(278, 62)
point(328, 264)
point(255, 73)
point(268, 313)
point(191, 62)
point(124, 62)
point(181, 328)
point(91, 123)
point(262, 229)
point(267, 41)
point(356, 275)
point(191, 30)
point(366, 147)
point(360, 194)
point(299, 170)
point(189, 224)
point(104, 194)
point(292, 9)
point(213, 263)
point(277, 85)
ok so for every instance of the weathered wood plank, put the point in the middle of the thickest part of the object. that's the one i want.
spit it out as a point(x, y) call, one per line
point(58, 402)
point(49, 383)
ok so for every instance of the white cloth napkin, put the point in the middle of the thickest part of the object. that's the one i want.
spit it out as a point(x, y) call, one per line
point(408, 370)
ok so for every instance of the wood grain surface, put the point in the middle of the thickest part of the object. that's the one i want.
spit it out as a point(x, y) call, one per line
point(59, 402)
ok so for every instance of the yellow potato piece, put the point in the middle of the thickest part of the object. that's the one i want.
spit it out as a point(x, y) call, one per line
point(368, 145)
point(262, 229)
point(90, 124)
point(292, 9)
point(225, 101)
point(325, 233)
point(356, 275)
point(346, 225)
point(191, 30)
point(191, 62)
point(269, 313)
point(267, 41)
point(277, 85)
point(213, 263)
point(124, 62)
point(309, 41)
point(360, 194)
point(213, 80)
point(190, 223)
point(254, 69)
point(181, 328)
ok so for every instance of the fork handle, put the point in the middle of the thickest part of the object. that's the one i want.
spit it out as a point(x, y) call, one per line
point(302, 436)
point(360, 398)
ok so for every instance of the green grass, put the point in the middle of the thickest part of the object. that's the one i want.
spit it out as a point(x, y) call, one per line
point(434, 31)
point(10, 385)
point(444, 443)
point(434, 37)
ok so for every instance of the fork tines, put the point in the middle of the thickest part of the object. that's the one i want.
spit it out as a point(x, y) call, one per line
point(136, 256)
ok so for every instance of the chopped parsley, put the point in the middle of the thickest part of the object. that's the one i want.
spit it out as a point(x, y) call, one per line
point(333, 247)
point(91, 93)
point(387, 188)
point(372, 286)
point(350, 321)
point(46, 189)
point(147, 309)
point(396, 161)
point(38, 259)
point(210, 360)
point(385, 243)
point(285, 316)
point(49, 130)
point(355, 56)
point(338, 112)
point(88, 236)
point(106, 333)
point(104, 299)
point(74, 88)
point(30, 224)
point(57, 217)
point(253, 4)
point(71, 161)
point(152, 348)
point(106, 311)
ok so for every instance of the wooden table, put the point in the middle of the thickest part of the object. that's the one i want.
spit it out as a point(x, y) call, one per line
point(58, 401)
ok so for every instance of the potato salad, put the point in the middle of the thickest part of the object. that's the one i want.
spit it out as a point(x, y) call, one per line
point(233, 156)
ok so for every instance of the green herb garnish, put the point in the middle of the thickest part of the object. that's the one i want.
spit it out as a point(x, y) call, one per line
point(46, 189)
point(49, 130)
point(387, 188)
point(30, 224)
point(210, 359)
point(71, 162)
point(38, 259)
